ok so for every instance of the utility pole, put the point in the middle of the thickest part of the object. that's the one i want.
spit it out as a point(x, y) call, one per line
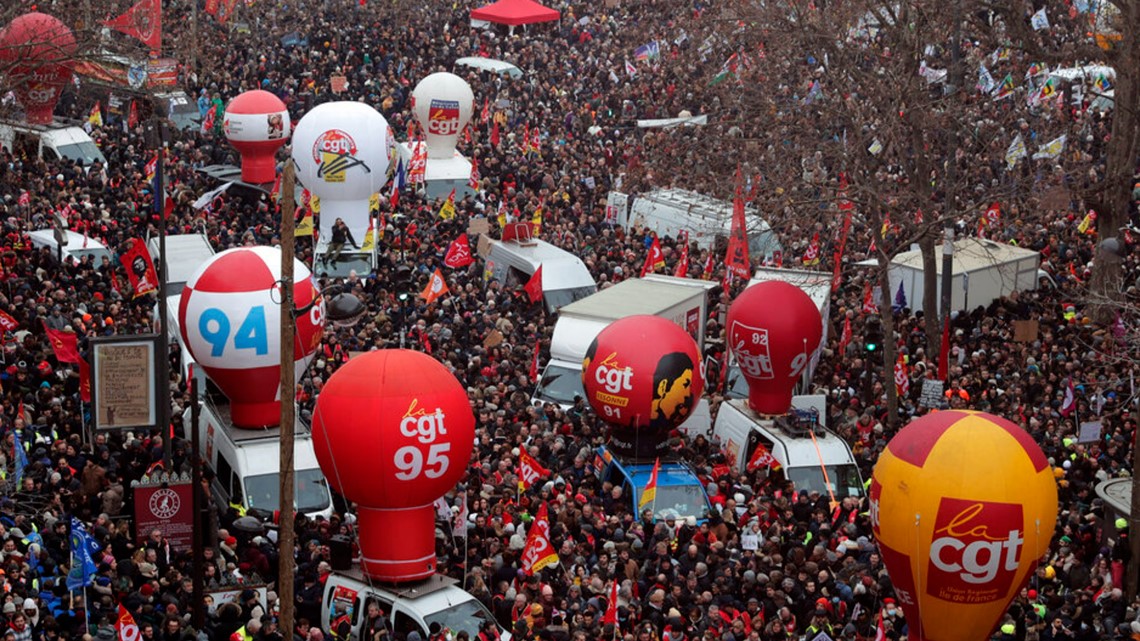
point(947, 269)
point(285, 532)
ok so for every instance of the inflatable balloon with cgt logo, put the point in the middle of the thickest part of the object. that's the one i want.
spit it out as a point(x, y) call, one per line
point(774, 328)
point(642, 375)
point(393, 431)
point(963, 505)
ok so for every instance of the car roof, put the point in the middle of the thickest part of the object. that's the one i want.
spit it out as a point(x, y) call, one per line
point(670, 474)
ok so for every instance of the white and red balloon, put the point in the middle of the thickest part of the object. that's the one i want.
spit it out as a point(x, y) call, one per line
point(257, 124)
point(228, 317)
point(443, 104)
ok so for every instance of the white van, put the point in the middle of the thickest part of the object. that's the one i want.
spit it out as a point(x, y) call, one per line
point(246, 464)
point(411, 607)
point(185, 253)
point(51, 142)
point(565, 277)
point(810, 456)
point(74, 249)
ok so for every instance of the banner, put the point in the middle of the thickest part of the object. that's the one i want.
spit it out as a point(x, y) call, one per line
point(737, 259)
point(142, 21)
point(167, 508)
point(140, 269)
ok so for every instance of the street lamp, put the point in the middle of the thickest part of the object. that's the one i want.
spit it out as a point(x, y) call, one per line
point(343, 310)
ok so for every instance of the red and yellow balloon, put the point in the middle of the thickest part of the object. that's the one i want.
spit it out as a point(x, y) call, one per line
point(963, 505)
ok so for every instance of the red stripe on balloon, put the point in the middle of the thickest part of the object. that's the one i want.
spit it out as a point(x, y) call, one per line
point(1032, 449)
point(914, 445)
point(235, 271)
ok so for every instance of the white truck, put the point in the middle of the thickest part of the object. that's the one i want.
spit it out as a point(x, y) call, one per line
point(56, 141)
point(809, 455)
point(565, 277)
point(707, 220)
point(424, 607)
point(246, 463)
point(681, 300)
point(817, 285)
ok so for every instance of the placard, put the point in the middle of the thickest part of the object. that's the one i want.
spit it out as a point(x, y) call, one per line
point(478, 226)
point(1025, 331)
point(931, 393)
point(1090, 432)
point(124, 378)
point(338, 84)
point(494, 338)
point(233, 595)
point(168, 507)
point(162, 72)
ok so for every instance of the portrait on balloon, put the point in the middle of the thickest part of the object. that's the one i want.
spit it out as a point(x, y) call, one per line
point(672, 390)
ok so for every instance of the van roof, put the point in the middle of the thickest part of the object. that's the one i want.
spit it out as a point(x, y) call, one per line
point(185, 253)
point(629, 298)
point(562, 270)
point(801, 451)
point(46, 238)
point(434, 594)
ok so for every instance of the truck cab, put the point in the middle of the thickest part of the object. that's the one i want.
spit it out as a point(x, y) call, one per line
point(246, 464)
point(415, 606)
point(809, 455)
point(680, 493)
point(50, 142)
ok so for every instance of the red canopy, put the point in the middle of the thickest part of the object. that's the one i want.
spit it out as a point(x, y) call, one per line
point(515, 12)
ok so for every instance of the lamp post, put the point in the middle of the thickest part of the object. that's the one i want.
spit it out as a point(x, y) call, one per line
point(344, 309)
point(155, 134)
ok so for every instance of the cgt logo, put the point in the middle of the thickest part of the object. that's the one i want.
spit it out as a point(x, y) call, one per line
point(612, 376)
point(443, 117)
point(975, 550)
point(424, 426)
point(334, 151)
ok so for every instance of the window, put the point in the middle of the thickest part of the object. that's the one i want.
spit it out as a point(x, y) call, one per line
point(404, 624)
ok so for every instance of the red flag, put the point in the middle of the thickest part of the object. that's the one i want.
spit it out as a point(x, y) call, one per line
point(762, 459)
point(125, 625)
point(208, 121)
point(530, 471)
point(425, 342)
point(495, 134)
point(870, 305)
point(611, 608)
point(133, 115)
point(534, 362)
point(918, 220)
point(709, 267)
point(1069, 404)
point(845, 337)
point(944, 352)
point(473, 179)
point(880, 631)
point(682, 269)
point(435, 288)
point(533, 286)
point(84, 381)
point(737, 259)
point(142, 21)
point(458, 253)
point(25, 199)
point(811, 255)
point(538, 552)
point(417, 170)
point(485, 115)
point(64, 344)
point(7, 323)
point(902, 379)
point(140, 269)
point(654, 259)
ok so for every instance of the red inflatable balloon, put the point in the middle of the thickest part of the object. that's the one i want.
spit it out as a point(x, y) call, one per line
point(393, 431)
point(39, 53)
point(257, 124)
point(642, 376)
point(773, 329)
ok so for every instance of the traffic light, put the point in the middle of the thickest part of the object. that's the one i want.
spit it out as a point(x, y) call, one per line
point(872, 337)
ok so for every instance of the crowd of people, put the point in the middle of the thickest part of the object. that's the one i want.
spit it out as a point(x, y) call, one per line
point(769, 564)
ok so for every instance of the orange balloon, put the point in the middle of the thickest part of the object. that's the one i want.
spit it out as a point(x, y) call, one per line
point(963, 505)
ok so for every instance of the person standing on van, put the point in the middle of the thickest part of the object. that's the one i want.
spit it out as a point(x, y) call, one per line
point(340, 235)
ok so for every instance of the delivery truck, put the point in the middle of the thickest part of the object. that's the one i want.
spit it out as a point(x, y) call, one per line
point(681, 300)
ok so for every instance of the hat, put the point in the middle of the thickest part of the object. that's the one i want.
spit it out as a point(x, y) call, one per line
point(1033, 595)
point(230, 541)
point(888, 601)
point(9, 608)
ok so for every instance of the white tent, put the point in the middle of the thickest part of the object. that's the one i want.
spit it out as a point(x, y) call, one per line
point(984, 271)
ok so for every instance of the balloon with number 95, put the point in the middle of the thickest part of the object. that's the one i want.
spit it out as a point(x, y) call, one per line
point(393, 431)
point(229, 319)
